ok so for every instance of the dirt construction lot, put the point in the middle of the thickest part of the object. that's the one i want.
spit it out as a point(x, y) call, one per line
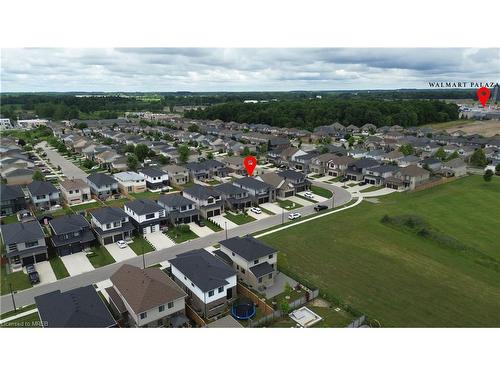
point(487, 128)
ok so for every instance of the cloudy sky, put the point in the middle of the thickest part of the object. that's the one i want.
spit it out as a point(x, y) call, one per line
point(196, 69)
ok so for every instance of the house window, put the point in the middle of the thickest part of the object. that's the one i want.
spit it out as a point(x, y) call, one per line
point(256, 261)
point(271, 256)
point(242, 270)
point(143, 315)
point(150, 216)
point(129, 188)
point(260, 279)
point(185, 278)
point(233, 254)
point(170, 305)
point(161, 308)
point(192, 285)
point(31, 243)
point(221, 289)
point(211, 293)
point(270, 276)
point(108, 226)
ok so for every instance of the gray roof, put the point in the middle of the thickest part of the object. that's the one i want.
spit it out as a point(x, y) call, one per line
point(144, 206)
point(207, 164)
point(173, 200)
point(251, 183)
point(201, 192)
point(8, 192)
point(100, 179)
point(153, 172)
point(77, 308)
point(262, 269)
point(291, 175)
point(205, 270)
point(19, 172)
point(229, 189)
point(107, 215)
point(69, 223)
point(384, 168)
point(248, 247)
point(21, 232)
point(365, 163)
point(41, 188)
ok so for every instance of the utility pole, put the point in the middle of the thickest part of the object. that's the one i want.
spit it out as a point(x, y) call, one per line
point(12, 295)
point(225, 228)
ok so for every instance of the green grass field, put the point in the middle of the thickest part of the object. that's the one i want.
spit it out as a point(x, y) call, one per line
point(322, 192)
point(140, 246)
point(100, 257)
point(178, 236)
point(28, 321)
point(18, 280)
point(396, 276)
point(58, 267)
point(239, 219)
point(146, 195)
point(288, 204)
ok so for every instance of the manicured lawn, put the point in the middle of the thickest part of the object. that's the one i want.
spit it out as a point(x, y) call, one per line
point(100, 257)
point(18, 311)
point(140, 246)
point(212, 225)
point(335, 179)
point(86, 206)
point(398, 277)
point(331, 318)
point(239, 219)
point(266, 211)
point(178, 236)
point(212, 182)
point(372, 188)
point(288, 204)
point(146, 195)
point(19, 280)
point(117, 202)
point(322, 192)
point(307, 199)
point(61, 212)
point(9, 219)
point(58, 267)
point(28, 321)
point(316, 176)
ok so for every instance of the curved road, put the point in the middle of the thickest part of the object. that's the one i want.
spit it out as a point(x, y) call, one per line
point(26, 297)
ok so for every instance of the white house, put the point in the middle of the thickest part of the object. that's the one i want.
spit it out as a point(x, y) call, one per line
point(145, 214)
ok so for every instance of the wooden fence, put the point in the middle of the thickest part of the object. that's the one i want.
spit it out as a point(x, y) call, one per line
point(191, 314)
point(431, 184)
point(244, 291)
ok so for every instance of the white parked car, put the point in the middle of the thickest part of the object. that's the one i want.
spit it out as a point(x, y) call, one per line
point(56, 207)
point(256, 210)
point(294, 215)
point(308, 194)
point(121, 244)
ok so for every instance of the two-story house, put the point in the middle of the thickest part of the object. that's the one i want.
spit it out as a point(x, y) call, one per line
point(412, 176)
point(102, 185)
point(259, 191)
point(296, 179)
point(338, 165)
point(234, 197)
point(179, 209)
point(43, 195)
point(111, 224)
point(12, 200)
point(146, 298)
point(24, 243)
point(235, 165)
point(130, 182)
point(177, 175)
point(206, 170)
point(209, 282)
point(156, 179)
point(146, 215)
point(254, 261)
point(377, 175)
point(302, 160)
point(71, 234)
point(75, 191)
point(208, 201)
point(319, 164)
point(358, 169)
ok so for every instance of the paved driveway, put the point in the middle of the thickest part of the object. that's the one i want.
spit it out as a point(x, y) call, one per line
point(200, 231)
point(45, 272)
point(272, 207)
point(316, 197)
point(69, 169)
point(220, 220)
point(260, 216)
point(120, 254)
point(77, 263)
point(299, 200)
point(159, 240)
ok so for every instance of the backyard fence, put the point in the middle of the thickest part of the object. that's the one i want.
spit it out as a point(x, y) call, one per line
point(244, 291)
point(357, 322)
point(191, 314)
point(431, 184)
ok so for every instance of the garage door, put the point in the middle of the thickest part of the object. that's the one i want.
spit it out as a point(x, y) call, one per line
point(216, 212)
point(40, 257)
point(70, 250)
point(28, 260)
point(118, 237)
point(288, 193)
point(108, 240)
point(210, 213)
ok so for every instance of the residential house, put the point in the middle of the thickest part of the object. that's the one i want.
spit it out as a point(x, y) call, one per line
point(71, 234)
point(235, 164)
point(319, 164)
point(377, 175)
point(24, 243)
point(146, 298)
point(75, 191)
point(119, 164)
point(411, 177)
point(408, 160)
point(43, 195)
point(146, 215)
point(282, 156)
point(393, 156)
point(455, 167)
point(302, 160)
point(179, 209)
point(12, 200)
point(177, 175)
point(254, 261)
point(432, 164)
point(339, 165)
point(102, 185)
point(77, 308)
point(209, 282)
point(358, 169)
point(259, 191)
point(234, 197)
point(111, 224)
point(206, 170)
point(130, 182)
point(207, 200)
point(18, 176)
point(156, 179)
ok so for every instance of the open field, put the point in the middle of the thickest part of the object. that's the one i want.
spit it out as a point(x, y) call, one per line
point(487, 128)
point(399, 277)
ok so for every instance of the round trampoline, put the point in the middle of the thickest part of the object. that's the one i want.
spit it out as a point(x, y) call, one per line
point(243, 309)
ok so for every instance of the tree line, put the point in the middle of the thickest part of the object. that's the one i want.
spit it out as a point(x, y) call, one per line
point(308, 114)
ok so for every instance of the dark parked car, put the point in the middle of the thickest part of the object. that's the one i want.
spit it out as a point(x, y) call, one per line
point(32, 274)
point(201, 224)
point(344, 179)
point(320, 207)
point(362, 183)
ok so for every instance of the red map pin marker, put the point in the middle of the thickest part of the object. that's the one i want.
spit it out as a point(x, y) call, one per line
point(250, 164)
point(483, 94)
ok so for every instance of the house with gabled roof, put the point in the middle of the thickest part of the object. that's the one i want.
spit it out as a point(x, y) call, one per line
point(102, 185)
point(259, 191)
point(24, 242)
point(111, 224)
point(71, 234)
point(234, 197)
point(179, 209)
point(207, 200)
point(43, 194)
point(12, 200)
point(146, 215)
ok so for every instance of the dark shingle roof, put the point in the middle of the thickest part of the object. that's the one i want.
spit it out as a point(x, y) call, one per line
point(100, 179)
point(228, 189)
point(144, 206)
point(174, 200)
point(206, 271)
point(107, 215)
point(77, 308)
point(248, 247)
point(291, 175)
point(152, 172)
point(144, 289)
point(200, 191)
point(41, 188)
point(21, 232)
point(68, 223)
point(251, 183)
point(262, 269)
point(8, 192)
